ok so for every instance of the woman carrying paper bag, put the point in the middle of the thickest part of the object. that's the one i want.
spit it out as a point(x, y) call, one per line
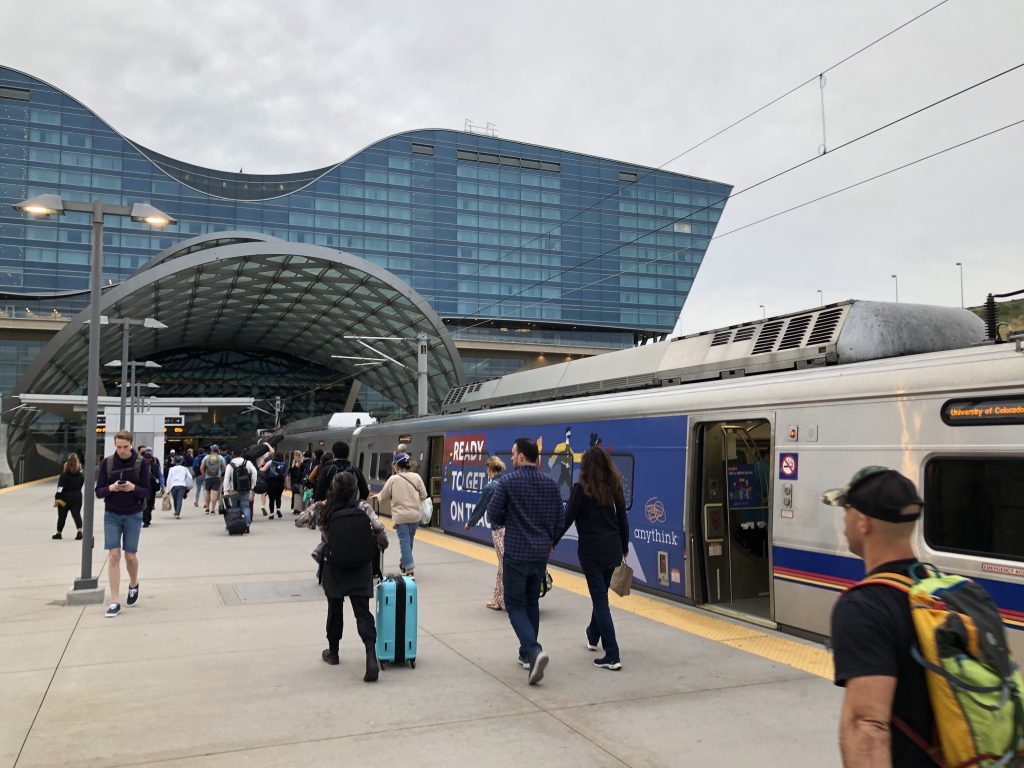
point(597, 507)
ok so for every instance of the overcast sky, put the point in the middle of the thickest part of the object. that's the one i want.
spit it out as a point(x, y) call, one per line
point(279, 87)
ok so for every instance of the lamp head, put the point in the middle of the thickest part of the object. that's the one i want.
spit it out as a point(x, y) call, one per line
point(149, 214)
point(152, 322)
point(41, 205)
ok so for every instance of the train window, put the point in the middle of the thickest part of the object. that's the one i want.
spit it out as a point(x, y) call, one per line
point(976, 506)
point(384, 465)
point(373, 466)
point(564, 469)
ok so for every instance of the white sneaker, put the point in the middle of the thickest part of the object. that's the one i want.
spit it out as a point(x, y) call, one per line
point(113, 610)
point(537, 668)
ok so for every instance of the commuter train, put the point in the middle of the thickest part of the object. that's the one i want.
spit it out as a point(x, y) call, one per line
point(727, 439)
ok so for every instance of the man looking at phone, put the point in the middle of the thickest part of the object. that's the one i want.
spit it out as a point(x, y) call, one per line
point(123, 483)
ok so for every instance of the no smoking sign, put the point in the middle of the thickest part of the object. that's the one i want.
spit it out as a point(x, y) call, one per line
point(789, 466)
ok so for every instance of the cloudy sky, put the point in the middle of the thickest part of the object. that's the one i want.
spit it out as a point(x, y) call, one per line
point(275, 87)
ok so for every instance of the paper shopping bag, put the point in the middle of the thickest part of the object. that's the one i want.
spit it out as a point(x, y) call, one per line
point(622, 580)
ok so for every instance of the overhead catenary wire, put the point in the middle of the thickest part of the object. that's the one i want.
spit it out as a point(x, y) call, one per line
point(715, 135)
point(783, 212)
point(755, 185)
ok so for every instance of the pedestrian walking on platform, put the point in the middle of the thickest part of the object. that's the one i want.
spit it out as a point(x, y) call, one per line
point(598, 509)
point(179, 482)
point(494, 468)
point(68, 498)
point(277, 472)
point(156, 483)
point(402, 496)
point(201, 495)
point(295, 481)
point(347, 568)
point(123, 483)
point(339, 463)
point(212, 470)
point(887, 715)
point(528, 504)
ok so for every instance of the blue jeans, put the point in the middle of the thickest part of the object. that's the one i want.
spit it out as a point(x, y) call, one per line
point(241, 500)
point(522, 601)
point(116, 527)
point(601, 627)
point(178, 495)
point(406, 533)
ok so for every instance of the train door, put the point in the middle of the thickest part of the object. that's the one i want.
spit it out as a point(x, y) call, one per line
point(435, 470)
point(732, 532)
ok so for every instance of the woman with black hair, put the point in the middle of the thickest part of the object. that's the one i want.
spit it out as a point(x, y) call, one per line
point(68, 498)
point(347, 568)
point(597, 507)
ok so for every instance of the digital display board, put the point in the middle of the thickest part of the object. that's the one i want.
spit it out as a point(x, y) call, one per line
point(989, 411)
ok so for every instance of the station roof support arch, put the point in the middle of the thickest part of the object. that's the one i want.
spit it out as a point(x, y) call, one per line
point(249, 291)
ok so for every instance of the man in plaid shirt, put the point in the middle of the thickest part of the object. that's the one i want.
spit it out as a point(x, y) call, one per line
point(527, 503)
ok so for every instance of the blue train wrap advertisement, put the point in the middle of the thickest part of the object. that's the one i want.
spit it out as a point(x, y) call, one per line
point(649, 452)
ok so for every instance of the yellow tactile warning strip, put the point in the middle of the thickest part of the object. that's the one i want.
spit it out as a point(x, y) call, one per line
point(29, 484)
point(749, 639)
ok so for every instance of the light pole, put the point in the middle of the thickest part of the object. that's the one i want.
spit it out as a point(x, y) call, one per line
point(125, 323)
point(961, 266)
point(763, 312)
point(422, 349)
point(86, 588)
point(821, 298)
point(124, 364)
point(896, 280)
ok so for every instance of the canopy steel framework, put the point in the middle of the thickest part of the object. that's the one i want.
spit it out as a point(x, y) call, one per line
point(249, 291)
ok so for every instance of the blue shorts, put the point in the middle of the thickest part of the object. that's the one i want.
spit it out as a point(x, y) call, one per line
point(115, 526)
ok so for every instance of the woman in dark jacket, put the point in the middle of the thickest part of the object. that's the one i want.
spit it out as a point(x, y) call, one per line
point(597, 507)
point(340, 508)
point(69, 496)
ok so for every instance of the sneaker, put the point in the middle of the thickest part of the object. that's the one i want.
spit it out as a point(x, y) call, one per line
point(133, 594)
point(372, 667)
point(591, 646)
point(177, 517)
point(279, 513)
point(330, 658)
point(540, 663)
point(56, 536)
point(523, 662)
point(113, 610)
point(78, 536)
point(606, 663)
point(264, 510)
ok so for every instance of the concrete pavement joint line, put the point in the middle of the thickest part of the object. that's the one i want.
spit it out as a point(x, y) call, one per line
point(794, 654)
point(670, 694)
point(42, 701)
point(345, 737)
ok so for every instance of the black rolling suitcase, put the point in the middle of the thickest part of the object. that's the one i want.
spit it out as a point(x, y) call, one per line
point(234, 519)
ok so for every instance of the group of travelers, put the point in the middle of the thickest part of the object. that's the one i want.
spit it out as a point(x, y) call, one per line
point(887, 716)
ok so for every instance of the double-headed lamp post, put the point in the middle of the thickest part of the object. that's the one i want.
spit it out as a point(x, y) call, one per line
point(86, 588)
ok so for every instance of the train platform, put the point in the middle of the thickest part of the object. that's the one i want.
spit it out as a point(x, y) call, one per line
point(218, 665)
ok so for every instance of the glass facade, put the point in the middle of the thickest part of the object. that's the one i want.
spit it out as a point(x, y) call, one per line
point(481, 227)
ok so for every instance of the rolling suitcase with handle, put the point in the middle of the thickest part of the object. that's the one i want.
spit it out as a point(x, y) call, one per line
point(396, 620)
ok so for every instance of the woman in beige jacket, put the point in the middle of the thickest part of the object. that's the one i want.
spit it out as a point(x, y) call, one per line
point(402, 496)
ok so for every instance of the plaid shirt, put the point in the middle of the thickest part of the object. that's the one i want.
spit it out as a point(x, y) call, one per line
point(527, 503)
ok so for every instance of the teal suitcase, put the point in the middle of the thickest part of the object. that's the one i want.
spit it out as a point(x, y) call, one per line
point(396, 620)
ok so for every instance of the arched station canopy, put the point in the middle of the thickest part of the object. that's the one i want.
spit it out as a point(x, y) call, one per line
point(249, 291)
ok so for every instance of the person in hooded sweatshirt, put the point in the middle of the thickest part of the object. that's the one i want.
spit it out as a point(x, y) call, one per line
point(340, 464)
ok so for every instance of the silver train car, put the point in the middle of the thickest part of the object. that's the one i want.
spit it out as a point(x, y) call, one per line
point(726, 440)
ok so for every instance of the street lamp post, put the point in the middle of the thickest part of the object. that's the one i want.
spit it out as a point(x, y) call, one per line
point(961, 266)
point(821, 298)
point(86, 587)
point(126, 323)
point(125, 365)
point(896, 280)
point(422, 350)
point(763, 311)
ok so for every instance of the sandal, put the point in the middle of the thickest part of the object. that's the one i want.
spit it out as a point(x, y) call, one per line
point(495, 606)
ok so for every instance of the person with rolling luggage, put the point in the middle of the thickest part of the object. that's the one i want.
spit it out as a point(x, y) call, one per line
point(347, 568)
point(239, 483)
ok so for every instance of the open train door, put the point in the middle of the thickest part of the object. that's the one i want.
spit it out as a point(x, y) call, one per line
point(435, 470)
point(731, 518)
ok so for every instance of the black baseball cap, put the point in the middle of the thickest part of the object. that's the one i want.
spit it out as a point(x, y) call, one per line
point(878, 492)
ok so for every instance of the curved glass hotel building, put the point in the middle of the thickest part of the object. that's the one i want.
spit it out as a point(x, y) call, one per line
point(518, 248)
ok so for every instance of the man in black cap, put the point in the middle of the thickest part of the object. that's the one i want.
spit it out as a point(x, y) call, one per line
point(887, 718)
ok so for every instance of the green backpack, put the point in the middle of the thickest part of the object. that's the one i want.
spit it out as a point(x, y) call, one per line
point(974, 684)
point(215, 466)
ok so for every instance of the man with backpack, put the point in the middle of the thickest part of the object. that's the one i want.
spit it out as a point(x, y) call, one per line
point(212, 469)
point(276, 472)
point(197, 462)
point(340, 464)
point(239, 484)
point(881, 646)
point(123, 483)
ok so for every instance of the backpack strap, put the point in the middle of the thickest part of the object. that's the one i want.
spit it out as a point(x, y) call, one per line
point(894, 580)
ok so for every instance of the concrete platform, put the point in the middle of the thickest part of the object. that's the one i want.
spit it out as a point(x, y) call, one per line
point(219, 665)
